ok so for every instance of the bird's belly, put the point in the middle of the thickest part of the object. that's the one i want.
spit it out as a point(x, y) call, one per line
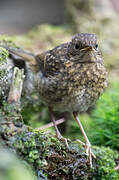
point(80, 102)
point(76, 93)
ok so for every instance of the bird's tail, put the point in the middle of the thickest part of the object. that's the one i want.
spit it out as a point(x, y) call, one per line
point(26, 56)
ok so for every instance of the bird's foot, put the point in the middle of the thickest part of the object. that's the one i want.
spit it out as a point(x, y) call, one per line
point(89, 153)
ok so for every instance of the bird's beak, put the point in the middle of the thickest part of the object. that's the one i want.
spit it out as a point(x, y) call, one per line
point(93, 57)
point(86, 49)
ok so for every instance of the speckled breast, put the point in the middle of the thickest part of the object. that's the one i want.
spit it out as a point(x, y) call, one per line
point(78, 88)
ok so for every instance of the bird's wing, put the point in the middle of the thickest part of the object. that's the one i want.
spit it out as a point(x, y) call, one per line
point(52, 62)
point(49, 65)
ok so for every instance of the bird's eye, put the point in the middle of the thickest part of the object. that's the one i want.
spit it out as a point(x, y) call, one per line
point(96, 46)
point(77, 46)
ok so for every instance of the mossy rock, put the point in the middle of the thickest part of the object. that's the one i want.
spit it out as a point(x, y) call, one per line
point(45, 153)
point(5, 73)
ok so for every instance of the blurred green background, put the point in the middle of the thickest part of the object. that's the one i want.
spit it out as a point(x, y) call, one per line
point(12, 168)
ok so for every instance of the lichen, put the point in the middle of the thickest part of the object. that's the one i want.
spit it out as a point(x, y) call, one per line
point(4, 72)
point(3, 54)
point(19, 76)
point(3, 60)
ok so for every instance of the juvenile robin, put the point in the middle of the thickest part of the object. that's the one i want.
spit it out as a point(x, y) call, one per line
point(70, 78)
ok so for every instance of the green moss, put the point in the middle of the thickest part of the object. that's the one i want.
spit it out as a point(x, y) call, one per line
point(3, 59)
point(11, 113)
point(3, 54)
point(105, 159)
point(46, 152)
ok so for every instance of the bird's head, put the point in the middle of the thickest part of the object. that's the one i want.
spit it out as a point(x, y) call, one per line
point(84, 49)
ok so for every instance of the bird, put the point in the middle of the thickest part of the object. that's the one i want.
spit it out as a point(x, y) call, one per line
point(70, 78)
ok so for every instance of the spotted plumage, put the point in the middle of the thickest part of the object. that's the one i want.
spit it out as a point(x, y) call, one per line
point(72, 78)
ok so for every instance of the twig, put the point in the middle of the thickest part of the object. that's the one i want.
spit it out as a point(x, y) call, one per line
point(51, 124)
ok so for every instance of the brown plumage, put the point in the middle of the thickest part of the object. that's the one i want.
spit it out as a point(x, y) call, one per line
point(70, 77)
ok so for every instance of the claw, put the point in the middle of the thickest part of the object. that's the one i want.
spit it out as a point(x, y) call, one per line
point(89, 153)
point(58, 134)
point(87, 146)
point(66, 143)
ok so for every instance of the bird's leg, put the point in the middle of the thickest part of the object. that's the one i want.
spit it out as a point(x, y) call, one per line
point(87, 145)
point(58, 134)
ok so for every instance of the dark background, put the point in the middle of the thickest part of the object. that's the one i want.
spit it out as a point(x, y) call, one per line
point(17, 16)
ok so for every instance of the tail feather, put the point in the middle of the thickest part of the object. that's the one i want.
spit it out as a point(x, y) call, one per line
point(29, 57)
